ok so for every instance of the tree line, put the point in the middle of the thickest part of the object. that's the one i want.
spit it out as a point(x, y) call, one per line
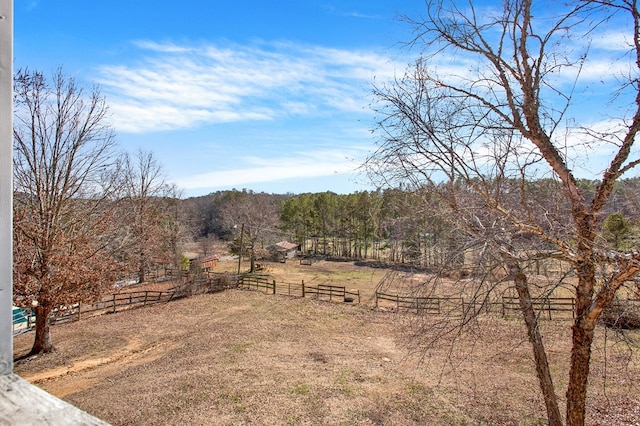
point(396, 225)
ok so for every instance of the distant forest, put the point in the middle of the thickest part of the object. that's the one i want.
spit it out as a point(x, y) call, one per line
point(391, 225)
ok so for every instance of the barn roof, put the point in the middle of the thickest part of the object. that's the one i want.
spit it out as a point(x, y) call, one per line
point(286, 245)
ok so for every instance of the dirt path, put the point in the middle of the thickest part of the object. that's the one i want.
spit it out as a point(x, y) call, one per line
point(83, 374)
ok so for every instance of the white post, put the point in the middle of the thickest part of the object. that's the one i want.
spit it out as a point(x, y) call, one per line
point(6, 186)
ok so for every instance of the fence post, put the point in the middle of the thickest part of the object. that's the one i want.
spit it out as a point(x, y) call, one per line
point(274, 286)
point(303, 288)
point(376, 299)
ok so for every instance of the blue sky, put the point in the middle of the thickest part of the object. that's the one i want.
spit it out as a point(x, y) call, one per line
point(265, 95)
point(269, 95)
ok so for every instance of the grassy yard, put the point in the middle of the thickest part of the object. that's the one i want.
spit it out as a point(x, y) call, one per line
point(242, 357)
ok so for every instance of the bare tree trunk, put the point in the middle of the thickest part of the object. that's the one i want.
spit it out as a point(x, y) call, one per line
point(578, 374)
point(542, 365)
point(42, 342)
point(581, 348)
point(141, 268)
point(252, 259)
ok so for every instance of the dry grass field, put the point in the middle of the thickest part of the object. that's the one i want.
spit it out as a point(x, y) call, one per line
point(243, 357)
point(345, 274)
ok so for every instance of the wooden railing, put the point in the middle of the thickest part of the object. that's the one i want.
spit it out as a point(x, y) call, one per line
point(108, 304)
point(550, 308)
point(332, 293)
point(257, 282)
point(421, 305)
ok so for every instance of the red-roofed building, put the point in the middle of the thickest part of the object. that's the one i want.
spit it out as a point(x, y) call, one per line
point(209, 262)
point(285, 250)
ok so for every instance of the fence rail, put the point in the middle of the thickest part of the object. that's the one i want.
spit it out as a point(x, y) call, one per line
point(109, 304)
point(320, 291)
point(421, 305)
point(260, 283)
point(340, 293)
point(550, 308)
point(206, 283)
point(24, 319)
point(291, 289)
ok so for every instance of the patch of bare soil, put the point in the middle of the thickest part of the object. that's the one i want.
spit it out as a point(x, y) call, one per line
point(242, 357)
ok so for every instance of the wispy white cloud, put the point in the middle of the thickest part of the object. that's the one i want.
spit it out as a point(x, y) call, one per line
point(332, 10)
point(180, 86)
point(160, 47)
point(619, 40)
point(259, 169)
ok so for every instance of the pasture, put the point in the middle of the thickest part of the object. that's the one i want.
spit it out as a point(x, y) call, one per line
point(243, 357)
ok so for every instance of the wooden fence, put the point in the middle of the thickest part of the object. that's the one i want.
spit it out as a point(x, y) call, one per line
point(257, 282)
point(109, 304)
point(204, 283)
point(291, 289)
point(550, 308)
point(332, 293)
point(116, 302)
point(421, 305)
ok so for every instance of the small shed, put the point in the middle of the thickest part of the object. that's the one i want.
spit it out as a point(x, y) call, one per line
point(209, 262)
point(284, 250)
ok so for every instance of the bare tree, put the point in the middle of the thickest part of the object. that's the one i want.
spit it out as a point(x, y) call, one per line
point(148, 210)
point(207, 244)
point(255, 215)
point(64, 150)
point(485, 113)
